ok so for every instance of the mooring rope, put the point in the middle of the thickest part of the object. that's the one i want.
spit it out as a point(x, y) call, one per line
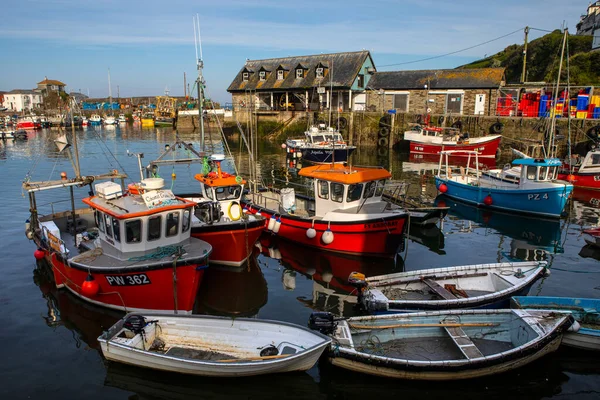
point(161, 252)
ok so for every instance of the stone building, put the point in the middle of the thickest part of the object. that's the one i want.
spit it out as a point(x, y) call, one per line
point(22, 100)
point(50, 85)
point(589, 25)
point(447, 92)
point(304, 83)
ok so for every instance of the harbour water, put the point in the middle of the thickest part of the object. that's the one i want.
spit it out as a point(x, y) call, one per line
point(49, 337)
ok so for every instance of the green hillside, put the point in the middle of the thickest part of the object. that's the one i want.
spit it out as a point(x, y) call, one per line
point(543, 56)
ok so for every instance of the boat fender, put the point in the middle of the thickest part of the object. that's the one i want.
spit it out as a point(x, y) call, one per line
point(89, 287)
point(234, 211)
point(443, 188)
point(342, 123)
point(575, 326)
point(386, 121)
point(498, 127)
point(382, 151)
point(384, 131)
point(38, 254)
point(488, 200)
point(277, 225)
point(311, 233)
point(546, 272)
point(327, 236)
point(382, 142)
point(271, 224)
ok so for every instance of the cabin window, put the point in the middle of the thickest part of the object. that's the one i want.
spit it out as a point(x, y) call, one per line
point(380, 186)
point(319, 72)
point(133, 231)
point(543, 173)
point(337, 192)
point(400, 102)
point(262, 75)
point(324, 190)
point(279, 74)
point(172, 224)
point(299, 73)
point(245, 76)
point(108, 225)
point(228, 192)
point(185, 224)
point(209, 192)
point(370, 189)
point(100, 221)
point(354, 192)
point(154, 225)
point(553, 174)
point(360, 82)
point(531, 172)
point(116, 229)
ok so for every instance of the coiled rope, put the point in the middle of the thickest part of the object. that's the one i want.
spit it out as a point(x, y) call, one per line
point(161, 252)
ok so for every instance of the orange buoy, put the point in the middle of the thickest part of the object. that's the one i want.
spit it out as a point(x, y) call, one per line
point(90, 287)
point(38, 254)
point(443, 188)
point(571, 178)
point(488, 200)
point(63, 176)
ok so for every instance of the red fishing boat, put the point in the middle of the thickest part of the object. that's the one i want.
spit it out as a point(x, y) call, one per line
point(583, 173)
point(348, 214)
point(432, 140)
point(124, 251)
point(28, 123)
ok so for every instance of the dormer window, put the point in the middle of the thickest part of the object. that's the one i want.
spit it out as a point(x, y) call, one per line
point(262, 75)
point(299, 73)
point(319, 72)
point(245, 76)
point(279, 74)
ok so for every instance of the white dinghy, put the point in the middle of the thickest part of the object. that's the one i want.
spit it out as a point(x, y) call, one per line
point(212, 346)
point(467, 286)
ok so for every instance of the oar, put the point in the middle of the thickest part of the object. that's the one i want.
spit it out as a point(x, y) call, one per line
point(430, 325)
point(255, 358)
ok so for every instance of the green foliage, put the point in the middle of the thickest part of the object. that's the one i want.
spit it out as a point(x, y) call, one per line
point(543, 57)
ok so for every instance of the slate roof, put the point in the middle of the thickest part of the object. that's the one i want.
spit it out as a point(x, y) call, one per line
point(346, 67)
point(22, 91)
point(51, 82)
point(475, 78)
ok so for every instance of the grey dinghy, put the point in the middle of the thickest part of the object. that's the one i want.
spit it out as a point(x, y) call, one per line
point(212, 346)
point(446, 345)
point(468, 286)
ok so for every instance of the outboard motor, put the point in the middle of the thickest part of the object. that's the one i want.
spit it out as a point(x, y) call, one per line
point(358, 280)
point(208, 212)
point(323, 322)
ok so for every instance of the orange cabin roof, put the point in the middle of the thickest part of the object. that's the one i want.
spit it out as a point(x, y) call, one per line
point(344, 174)
point(134, 208)
point(213, 179)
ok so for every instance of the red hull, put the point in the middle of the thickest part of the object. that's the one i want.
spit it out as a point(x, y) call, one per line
point(156, 295)
point(28, 125)
point(230, 247)
point(591, 181)
point(485, 149)
point(378, 238)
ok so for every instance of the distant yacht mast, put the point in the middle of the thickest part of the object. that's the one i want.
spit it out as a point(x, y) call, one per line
point(200, 81)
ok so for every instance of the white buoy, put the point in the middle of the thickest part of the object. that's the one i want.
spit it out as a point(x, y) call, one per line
point(327, 237)
point(289, 279)
point(327, 276)
point(271, 224)
point(311, 271)
point(277, 225)
point(311, 233)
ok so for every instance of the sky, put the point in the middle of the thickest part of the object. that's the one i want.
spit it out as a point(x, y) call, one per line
point(149, 45)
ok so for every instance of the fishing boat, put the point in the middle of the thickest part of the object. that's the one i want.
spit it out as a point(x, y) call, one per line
point(427, 139)
point(28, 122)
point(212, 346)
point(321, 145)
point(122, 251)
point(95, 119)
point(442, 345)
point(164, 114)
point(109, 120)
point(585, 311)
point(122, 119)
point(583, 173)
point(13, 134)
point(147, 120)
point(84, 121)
point(468, 286)
point(535, 191)
point(348, 214)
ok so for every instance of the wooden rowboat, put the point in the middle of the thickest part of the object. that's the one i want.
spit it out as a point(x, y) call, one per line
point(468, 286)
point(212, 346)
point(585, 311)
point(446, 345)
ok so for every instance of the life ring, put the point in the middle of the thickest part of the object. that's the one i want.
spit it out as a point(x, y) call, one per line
point(384, 131)
point(498, 127)
point(441, 120)
point(382, 142)
point(134, 188)
point(593, 133)
point(342, 123)
point(237, 213)
point(385, 121)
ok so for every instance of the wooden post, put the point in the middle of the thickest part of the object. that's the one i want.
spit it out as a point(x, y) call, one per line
point(306, 102)
point(271, 100)
point(391, 141)
point(286, 101)
point(351, 128)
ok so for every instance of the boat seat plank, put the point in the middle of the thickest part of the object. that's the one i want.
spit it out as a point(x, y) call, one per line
point(437, 288)
point(464, 343)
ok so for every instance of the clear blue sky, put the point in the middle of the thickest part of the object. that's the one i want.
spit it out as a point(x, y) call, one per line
point(149, 44)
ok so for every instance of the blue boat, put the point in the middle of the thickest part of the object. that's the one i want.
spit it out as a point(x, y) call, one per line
point(533, 190)
point(585, 311)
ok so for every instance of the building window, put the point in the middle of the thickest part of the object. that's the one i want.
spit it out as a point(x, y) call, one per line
point(245, 76)
point(324, 190)
point(299, 73)
point(454, 103)
point(319, 72)
point(172, 223)
point(400, 102)
point(279, 74)
point(361, 81)
point(154, 224)
point(133, 230)
point(262, 75)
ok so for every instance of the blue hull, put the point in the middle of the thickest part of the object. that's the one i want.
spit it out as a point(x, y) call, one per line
point(325, 156)
point(548, 202)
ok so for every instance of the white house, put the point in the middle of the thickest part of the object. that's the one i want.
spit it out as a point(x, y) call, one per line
point(22, 100)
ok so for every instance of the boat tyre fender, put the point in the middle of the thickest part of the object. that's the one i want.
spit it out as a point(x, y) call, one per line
point(385, 121)
point(382, 142)
point(593, 133)
point(342, 123)
point(419, 119)
point(441, 120)
point(234, 211)
point(382, 151)
point(498, 127)
point(384, 132)
point(457, 124)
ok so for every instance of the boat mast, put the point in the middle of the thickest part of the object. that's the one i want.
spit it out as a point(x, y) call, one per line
point(75, 149)
point(200, 81)
point(330, 92)
point(549, 152)
point(109, 95)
